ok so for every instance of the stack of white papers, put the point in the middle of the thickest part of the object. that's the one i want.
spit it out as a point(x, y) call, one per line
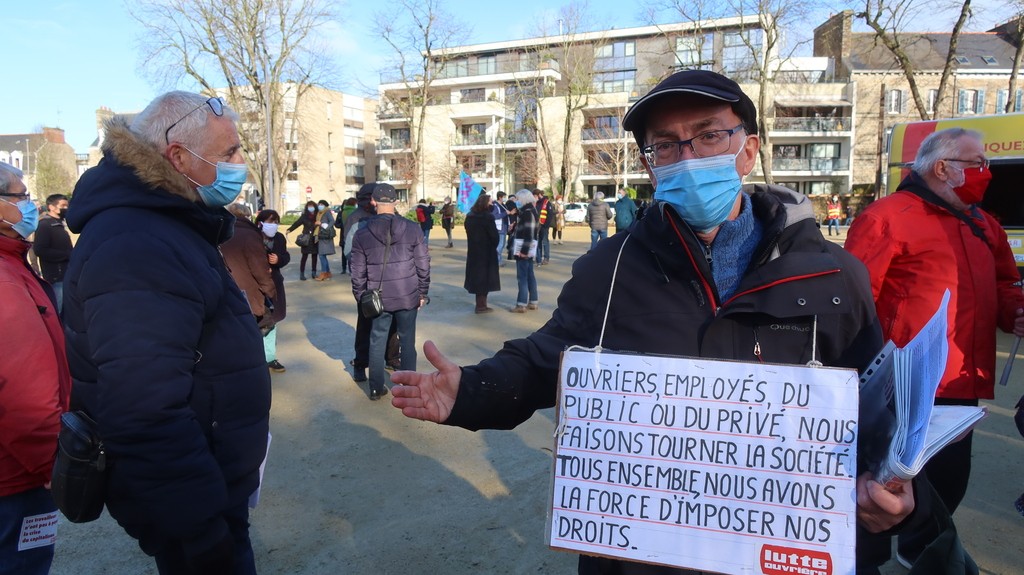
point(904, 381)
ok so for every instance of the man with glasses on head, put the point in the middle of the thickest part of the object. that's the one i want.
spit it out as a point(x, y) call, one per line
point(164, 353)
point(715, 269)
point(928, 237)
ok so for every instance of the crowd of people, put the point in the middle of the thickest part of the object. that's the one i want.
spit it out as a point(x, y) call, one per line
point(172, 359)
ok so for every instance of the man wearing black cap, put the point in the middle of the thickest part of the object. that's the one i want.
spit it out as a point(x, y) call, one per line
point(390, 253)
point(715, 269)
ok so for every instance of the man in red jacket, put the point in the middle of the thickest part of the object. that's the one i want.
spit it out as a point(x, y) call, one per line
point(928, 237)
point(34, 391)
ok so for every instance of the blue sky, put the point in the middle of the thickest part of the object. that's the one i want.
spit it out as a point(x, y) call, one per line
point(68, 58)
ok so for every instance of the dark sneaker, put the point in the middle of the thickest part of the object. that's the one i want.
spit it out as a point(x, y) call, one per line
point(275, 366)
point(377, 394)
point(359, 375)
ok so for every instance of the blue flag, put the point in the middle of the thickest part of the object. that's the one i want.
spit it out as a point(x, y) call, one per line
point(469, 191)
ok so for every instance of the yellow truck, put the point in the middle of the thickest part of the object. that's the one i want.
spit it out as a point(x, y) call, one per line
point(1003, 137)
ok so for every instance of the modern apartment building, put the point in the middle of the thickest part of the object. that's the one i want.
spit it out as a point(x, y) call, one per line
point(477, 119)
point(529, 113)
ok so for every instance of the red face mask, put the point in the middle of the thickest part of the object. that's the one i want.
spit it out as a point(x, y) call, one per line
point(975, 183)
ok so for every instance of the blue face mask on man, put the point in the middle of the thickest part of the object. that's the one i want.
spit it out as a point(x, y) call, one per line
point(226, 185)
point(29, 217)
point(702, 190)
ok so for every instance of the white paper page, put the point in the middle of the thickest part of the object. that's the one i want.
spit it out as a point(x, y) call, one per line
point(713, 465)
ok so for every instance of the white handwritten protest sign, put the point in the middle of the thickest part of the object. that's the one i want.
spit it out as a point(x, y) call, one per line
point(715, 465)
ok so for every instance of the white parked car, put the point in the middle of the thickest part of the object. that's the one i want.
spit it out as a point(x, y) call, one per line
point(575, 213)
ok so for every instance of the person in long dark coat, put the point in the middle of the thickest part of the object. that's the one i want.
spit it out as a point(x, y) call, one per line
point(309, 226)
point(482, 241)
point(278, 257)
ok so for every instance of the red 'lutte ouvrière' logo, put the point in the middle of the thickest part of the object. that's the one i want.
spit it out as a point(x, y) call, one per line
point(778, 560)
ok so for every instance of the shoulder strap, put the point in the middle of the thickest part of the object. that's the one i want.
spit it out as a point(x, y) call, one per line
point(387, 252)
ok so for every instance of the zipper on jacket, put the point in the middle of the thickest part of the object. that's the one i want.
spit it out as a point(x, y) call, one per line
point(757, 347)
point(704, 281)
point(707, 254)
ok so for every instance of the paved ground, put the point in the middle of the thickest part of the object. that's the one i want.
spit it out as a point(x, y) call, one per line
point(354, 487)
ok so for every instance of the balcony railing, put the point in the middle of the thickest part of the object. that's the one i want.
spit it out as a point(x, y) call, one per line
point(389, 144)
point(810, 164)
point(609, 169)
point(471, 140)
point(812, 124)
point(527, 137)
point(392, 115)
point(602, 134)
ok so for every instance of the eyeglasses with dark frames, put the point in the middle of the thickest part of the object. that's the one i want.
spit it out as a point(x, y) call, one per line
point(705, 145)
point(216, 105)
point(20, 197)
point(980, 164)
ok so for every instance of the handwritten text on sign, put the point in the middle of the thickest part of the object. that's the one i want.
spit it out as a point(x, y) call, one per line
point(713, 465)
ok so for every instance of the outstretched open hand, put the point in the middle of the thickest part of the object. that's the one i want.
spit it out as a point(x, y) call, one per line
point(427, 396)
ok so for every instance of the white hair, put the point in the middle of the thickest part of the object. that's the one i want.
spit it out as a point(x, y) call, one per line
point(939, 146)
point(184, 111)
point(526, 196)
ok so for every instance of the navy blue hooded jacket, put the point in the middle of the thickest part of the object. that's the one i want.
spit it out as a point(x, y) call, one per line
point(163, 350)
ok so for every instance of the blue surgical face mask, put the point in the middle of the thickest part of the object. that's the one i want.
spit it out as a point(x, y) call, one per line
point(29, 217)
point(702, 190)
point(225, 187)
point(321, 208)
point(269, 230)
point(311, 209)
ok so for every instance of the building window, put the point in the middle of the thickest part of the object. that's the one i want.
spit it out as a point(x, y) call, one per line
point(895, 102)
point(971, 102)
point(472, 134)
point(963, 60)
point(328, 109)
point(330, 170)
point(472, 95)
point(933, 95)
point(486, 65)
point(456, 68)
point(739, 52)
point(399, 137)
point(329, 143)
point(695, 52)
point(615, 67)
point(601, 128)
point(821, 188)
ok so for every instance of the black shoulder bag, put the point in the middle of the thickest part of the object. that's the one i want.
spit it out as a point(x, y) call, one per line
point(79, 481)
point(370, 303)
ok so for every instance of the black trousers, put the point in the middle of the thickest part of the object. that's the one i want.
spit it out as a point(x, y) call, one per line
point(362, 343)
point(949, 472)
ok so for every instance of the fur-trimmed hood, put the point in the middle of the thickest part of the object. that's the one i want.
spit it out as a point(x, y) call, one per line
point(134, 174)
point(144, 159)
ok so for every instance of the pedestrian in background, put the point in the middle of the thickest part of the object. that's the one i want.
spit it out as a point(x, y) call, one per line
point(309, 226)
point(557, 208)
point(481, 242)
point(35, 384)
point(425, 216)
point(598, 214)
point(448, 219)
point(246, 259)
point(625, 211)
point(325, 239)
point(501, 223)
point(390, 254)
point(524, 249)
point(543, 243)
point(833, 211)
point(52, 245)
point(277, 256)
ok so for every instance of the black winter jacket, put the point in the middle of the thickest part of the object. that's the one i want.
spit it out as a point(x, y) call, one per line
point(665, 302)
point(52, 245)
point(163, 351)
